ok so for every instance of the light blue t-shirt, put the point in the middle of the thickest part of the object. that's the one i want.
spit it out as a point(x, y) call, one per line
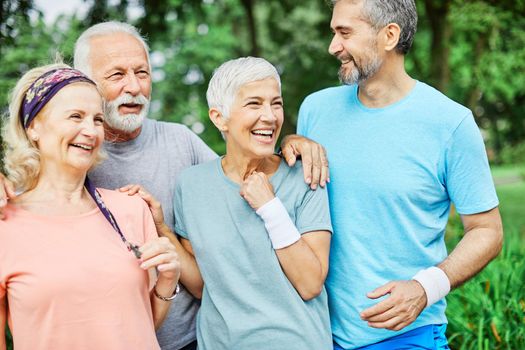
point(394, 172)
point(248, 302)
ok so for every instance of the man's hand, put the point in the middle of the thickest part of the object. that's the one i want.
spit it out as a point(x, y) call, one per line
point(7, 191)
point(406, 301)
point(257, 190)
point(153, 204)
point(313, 155)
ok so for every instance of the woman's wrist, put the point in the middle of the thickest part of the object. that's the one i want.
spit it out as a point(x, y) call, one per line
point(279, 225)
point(166, 286)
point(166, 295)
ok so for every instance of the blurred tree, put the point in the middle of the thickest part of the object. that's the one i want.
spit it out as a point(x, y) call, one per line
point(18, 49)
point(104, 10)
point(488, 60)
point(11, 13)
point(203, 34)
point(471, 50)
point(438, 17)
point(474, 52)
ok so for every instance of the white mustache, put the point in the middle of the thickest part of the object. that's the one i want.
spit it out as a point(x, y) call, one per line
point(127, 99)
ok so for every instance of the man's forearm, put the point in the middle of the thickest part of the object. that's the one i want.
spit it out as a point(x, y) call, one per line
point(481, 243)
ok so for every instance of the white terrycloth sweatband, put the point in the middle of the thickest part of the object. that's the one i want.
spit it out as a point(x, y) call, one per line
point(280, 227)
point(435, 283)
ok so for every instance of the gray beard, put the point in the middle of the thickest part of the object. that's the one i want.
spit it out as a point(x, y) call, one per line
point(359, 74)
point(126, 123)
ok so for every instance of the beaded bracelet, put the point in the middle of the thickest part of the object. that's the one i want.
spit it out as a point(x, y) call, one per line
point(175, 293)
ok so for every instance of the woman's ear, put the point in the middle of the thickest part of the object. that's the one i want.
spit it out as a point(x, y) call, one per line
point(32, 133)
point(218, 119)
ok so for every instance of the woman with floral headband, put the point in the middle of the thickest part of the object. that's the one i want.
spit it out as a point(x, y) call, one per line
point(74, 259)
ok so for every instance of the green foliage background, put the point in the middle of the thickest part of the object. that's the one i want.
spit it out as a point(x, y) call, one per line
point(472, 50)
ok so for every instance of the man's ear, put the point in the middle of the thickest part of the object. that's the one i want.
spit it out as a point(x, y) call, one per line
point(391, 33)
point(218, 119)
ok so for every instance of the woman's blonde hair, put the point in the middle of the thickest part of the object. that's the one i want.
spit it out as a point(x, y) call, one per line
point(21, 154)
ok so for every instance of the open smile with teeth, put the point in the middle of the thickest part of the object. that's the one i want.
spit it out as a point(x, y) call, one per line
point(82, 146)
point(263, 133)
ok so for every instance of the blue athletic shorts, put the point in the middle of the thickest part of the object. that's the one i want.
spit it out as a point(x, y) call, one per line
point(431, 337)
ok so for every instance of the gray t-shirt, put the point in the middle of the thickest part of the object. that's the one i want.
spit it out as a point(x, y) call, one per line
point(154, 160)
point(248, 302)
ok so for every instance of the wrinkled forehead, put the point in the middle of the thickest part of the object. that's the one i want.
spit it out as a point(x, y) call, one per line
point(116, 50)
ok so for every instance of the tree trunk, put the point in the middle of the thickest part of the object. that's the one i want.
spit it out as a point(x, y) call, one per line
point(248, 8)
point(437, 14)
point(479, 49)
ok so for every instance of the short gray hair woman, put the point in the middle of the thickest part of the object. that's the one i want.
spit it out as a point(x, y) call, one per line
point(259, 234)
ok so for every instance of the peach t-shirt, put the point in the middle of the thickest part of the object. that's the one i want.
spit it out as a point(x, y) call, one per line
point(70, 281)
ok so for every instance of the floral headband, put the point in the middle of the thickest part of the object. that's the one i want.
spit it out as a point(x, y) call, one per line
point(44, 88)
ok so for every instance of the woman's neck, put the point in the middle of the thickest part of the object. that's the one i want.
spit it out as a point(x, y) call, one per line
point(239, 168)
point(57, 194)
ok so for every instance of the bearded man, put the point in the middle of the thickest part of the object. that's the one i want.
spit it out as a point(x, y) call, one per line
point(400, 153)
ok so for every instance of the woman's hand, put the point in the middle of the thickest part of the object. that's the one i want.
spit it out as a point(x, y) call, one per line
point(257, 190)
point(160, 253)
point(154, 205)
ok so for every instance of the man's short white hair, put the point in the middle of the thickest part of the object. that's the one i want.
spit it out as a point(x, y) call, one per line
point(83, 45)
point(231, 75)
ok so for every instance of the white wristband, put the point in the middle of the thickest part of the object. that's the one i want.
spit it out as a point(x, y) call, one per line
point(435, 283)
point(280, 227)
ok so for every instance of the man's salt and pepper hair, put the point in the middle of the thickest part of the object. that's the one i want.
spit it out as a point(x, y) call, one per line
point(83, 45)
point(379, 13)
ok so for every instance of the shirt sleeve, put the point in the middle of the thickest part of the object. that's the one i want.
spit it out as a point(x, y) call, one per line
point(180, 227)
point(467, 173)
point(314, 213)
point(200, 151)
point(149, 230)
point(302, 119)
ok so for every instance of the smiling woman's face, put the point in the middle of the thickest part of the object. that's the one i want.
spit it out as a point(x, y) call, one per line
point(255, 120)
point(70, 130)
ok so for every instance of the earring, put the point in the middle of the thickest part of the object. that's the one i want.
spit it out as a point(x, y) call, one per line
point(34, 137)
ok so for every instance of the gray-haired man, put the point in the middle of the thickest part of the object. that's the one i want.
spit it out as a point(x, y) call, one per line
point(400, 152)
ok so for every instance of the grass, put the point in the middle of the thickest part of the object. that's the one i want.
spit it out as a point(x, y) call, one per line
point(510, 170)
point(488, 312)
point(9, 340)
point(512, 199)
